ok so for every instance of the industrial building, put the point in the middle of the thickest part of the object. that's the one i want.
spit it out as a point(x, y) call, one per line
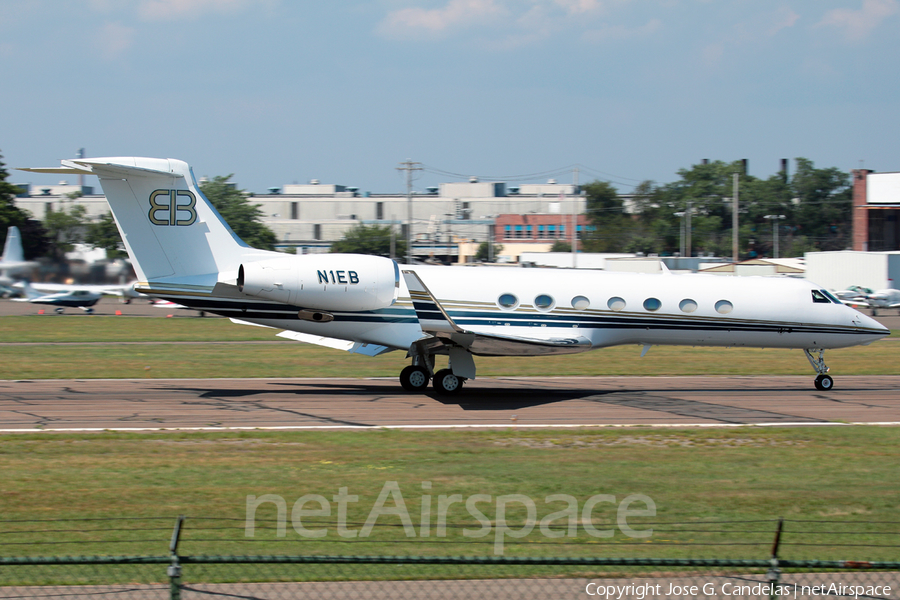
point(876, 208)
point(445, 219)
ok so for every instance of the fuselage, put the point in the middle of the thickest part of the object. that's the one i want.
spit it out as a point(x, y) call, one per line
point(605, 308)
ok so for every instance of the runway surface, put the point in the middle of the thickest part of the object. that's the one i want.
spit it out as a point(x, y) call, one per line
point(59, 405)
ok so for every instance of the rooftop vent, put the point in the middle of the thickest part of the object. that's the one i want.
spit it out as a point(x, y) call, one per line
point(274, 190)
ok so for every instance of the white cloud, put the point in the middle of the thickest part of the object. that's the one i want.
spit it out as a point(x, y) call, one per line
point(620, 32)
point(858, 24)
point(418, 22)
point(574, 7)
point(113, 40)
point(782, 19)
point(166, 10)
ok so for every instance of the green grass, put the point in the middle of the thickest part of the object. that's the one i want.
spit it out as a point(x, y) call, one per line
point(735, 477)
point(86, 348)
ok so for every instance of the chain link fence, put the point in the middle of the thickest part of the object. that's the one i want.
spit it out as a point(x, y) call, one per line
point(354, 577)
point(783, 567)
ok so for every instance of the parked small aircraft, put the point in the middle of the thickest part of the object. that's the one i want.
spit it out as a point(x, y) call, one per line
point(13, 259)
point(75, 298)
point(184, 251)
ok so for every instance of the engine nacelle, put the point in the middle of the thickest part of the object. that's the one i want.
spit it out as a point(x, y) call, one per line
point(331, 282)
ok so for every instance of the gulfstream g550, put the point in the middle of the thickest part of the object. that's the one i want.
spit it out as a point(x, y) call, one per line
point(183, 251)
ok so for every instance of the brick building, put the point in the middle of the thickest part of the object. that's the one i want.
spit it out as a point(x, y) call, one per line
point(538, 228)
point(876, 211)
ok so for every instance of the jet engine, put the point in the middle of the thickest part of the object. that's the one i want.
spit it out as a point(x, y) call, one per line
point(329, 282)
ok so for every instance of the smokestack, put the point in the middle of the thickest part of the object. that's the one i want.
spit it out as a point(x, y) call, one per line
point(705, 161)
point(80, 154)
point(784, 169)
point(744, 162)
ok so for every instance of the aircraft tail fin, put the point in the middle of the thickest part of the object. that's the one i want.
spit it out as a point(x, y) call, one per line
point(29, 292)
point(12, 249)
point(172, 232)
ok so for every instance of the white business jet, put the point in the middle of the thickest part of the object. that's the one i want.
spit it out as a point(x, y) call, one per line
point(184, 251)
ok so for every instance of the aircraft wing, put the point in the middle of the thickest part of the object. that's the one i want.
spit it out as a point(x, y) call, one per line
point(318, 340)
point(436, 322)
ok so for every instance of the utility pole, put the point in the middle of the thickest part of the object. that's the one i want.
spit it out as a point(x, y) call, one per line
point(393, 240)
point(687, 229)
point(575, 218)
point(734, 222)
point(775, 219)
point(409, 166)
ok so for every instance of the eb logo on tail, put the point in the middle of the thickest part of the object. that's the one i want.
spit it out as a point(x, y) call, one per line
point(165, 208)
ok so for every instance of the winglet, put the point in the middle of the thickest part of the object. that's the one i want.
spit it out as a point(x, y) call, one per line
point(432, 316)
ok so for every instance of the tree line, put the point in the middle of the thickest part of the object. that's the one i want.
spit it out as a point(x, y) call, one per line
point(816, 204)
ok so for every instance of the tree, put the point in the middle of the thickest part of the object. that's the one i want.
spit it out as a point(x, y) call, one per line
point(561, 246)
point(65, 228)
point(34, 240)
point(369, 239)
point(612, 228)
point(825, 205)
point(242, 216)
point(483, 254)
point(104, 234)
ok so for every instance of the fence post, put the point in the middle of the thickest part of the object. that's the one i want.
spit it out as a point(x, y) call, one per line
point(773, 576)
point(174, 570)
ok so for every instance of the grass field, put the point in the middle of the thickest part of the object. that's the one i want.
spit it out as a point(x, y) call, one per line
point(123, 347)
point(717, 493)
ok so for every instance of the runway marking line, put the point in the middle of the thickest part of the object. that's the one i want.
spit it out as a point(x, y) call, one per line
point(484, 426)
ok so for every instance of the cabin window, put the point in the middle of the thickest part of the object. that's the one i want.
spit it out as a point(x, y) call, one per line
point(616, 303)
point(652, 304)
point(687, 305)
point(508, 301)
point(580, 302)
point(724, 307)
point(544, 302)
point(820, 298)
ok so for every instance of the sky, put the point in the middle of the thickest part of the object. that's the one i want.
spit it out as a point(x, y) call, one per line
point(285, 91)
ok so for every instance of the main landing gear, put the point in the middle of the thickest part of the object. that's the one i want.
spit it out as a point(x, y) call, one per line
point(416, 376)
point(824, 382)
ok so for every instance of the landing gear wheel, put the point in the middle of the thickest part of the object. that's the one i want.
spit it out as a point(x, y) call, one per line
point(445, 382)
point(414, 378)
point(824, 383)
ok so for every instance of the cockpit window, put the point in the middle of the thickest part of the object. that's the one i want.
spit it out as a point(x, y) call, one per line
point(831, 297)
point(819, 297)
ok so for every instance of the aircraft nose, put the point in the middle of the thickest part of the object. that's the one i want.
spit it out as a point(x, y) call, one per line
point(862, 321)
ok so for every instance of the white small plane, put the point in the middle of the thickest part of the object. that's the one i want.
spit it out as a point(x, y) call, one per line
point(124, 291)
point(184, 251)
point(888, 298)
point(75, 298)
point(860, 296)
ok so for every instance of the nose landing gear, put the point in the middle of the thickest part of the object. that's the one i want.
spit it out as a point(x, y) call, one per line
point(823, 382)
